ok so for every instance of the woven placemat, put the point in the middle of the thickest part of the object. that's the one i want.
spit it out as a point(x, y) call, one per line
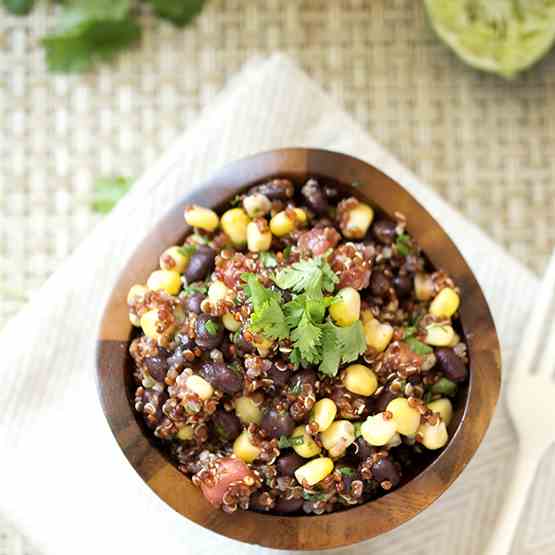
point(485, 144)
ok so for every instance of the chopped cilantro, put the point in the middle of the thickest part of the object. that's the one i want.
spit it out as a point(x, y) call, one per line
point(403, 244)
point(178, 12)
point(341, 345)
point(188, 250)
point(108, 191)
point(313, 496)
point(287, 251)
point(311, 276)
point(296, 389)
point(418, 347)
point(236, 200)
point(195, 288)
point(358, 431)
point(306, 340)
point(212, 327)
point(268, 260)
point(445, 386)
point(346, 471)
point(285, 442)
point(428, 396)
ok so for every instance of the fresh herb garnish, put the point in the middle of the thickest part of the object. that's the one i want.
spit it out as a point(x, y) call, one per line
point(341, 345)
point(236, 201)
point(188, 250)
point(358, 429)
point(445, 386)
point(403, 244)
point(416, 346)
point(286, 442)
point(267, 317)
point(195, 288)
point(268, 260)
point(346, 471)
point(287, 251)
point(212, 327)
point(297, 388)
point(108, 191)
point(311, 276)
point(314, 496)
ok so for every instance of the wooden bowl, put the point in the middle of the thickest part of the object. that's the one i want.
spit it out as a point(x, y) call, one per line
point(471, 419)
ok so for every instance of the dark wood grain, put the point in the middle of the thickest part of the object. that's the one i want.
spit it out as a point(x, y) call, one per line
point(304, 532)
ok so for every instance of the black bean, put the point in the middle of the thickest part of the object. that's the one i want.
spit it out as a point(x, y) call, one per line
point(193, 302)
point(288, 505)
point(226, 425)
point(384, 231)
point(380, 402)
point(379, 284)
point(362, 449)
point(277, 424)
point(210, 332)
point(402, 285)
point(450, 364)
point(298, 379)
point(279, 374)
point(157, 367)
point(222, 377)
point(200, 264)
point(276, 189)
point(315, 197)
point(287, 464)
point(385, 470)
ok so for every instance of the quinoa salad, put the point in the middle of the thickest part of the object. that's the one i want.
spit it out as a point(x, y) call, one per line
point(297, 353)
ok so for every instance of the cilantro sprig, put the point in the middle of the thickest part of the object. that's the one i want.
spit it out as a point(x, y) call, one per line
point(311, 276)
point(416, 346)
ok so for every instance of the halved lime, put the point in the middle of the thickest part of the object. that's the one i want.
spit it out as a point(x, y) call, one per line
point(501, 36)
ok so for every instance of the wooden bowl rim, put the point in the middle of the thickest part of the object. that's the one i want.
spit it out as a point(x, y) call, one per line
point(304, 532)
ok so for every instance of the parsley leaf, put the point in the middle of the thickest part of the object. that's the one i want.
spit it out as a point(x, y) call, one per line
point(88, 31)
point(212, 327)
point(179, 12)
point(403, 244)
point(312, 276)
point(19, 7)
point(268, 260)
point(108, 191)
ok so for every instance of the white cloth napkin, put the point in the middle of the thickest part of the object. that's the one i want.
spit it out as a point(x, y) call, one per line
point(64, 482)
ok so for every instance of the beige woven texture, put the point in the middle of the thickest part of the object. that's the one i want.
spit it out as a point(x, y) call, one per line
point(485, 144)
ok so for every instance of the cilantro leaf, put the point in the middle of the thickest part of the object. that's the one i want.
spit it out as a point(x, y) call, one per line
point(417, 346)
point(268, 259)
point(196, 288)
point(212, 327)
point(294, 311)
point(285, 442)
point(347, 471)
point(306, 339)
point(179, 12)
point(287, 251)
point(188, 250)
point(312, 276)
point(257, 293)
point(341, 345)
point(90, 30)
point(108, 191)
point(19, 7)
point(403, 244)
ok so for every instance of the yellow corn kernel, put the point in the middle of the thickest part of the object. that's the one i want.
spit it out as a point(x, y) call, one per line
point(286, 221)
point(323, 413)
point(345, 309)
point(230, 323)
point(174, 258)
point(423, 287)
point(455, 341)
point(378, 335)
point(358, 221)
point(136, 293)
point(135, 320)
point(200, 386)
point(359, 379)
point(338, 437)
point(244, 449)
point(247, 410)
point(257, 205)
point(377, 430)
point(218, 291)
point(314, 471)
point(259, 236)
point(445, 304)
point(234, 223)
point(439, 335)
point(202, 218)
point(433, 437)
point(405, 417)
point(444, 408)
point(149, 323)
point(308, 448)
point(185, 433)
point(167, 280)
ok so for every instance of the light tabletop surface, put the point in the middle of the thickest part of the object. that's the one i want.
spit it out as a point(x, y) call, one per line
point(485, 144)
